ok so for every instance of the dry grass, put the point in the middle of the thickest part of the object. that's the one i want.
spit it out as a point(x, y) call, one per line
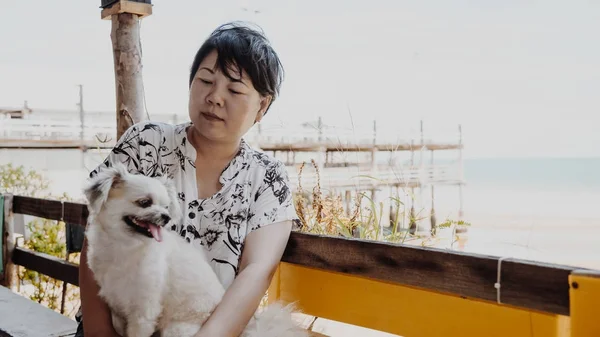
point(324, 214)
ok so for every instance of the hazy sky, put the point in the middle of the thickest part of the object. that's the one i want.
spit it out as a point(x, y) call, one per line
point(522, 77)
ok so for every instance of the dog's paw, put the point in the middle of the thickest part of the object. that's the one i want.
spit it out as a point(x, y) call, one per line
point(275, 321)
point(140, 328)
point(180, 329)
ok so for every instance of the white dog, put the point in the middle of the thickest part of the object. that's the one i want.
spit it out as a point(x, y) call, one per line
point(151, 278)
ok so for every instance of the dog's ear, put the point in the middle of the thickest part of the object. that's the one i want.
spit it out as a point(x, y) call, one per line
point(98, 187)
point(174, 207)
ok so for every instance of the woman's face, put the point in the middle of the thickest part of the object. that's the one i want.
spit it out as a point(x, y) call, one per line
point(222, 109)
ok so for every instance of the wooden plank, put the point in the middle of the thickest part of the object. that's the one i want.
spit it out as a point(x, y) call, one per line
point(585, 296)
point(291, 147)
point(2, 244)
point(47, 265)
point(53, 144)
point(74, 213)
point(408, 311)
point(20, 316)
point(7, 275)
point(314, 146)
point(532, 285)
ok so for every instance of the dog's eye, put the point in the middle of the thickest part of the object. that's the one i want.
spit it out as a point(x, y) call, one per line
point(144, 203)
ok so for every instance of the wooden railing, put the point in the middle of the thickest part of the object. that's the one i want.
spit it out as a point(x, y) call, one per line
point(344, 177)
point(405, 290)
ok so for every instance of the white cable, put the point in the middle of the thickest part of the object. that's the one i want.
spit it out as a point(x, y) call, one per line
point(498, 285)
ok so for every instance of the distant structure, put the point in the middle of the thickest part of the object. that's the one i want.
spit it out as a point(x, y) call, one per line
point(19, 113)
point(349, 161)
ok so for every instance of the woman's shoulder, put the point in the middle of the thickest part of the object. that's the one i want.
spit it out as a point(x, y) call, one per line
point(267, 170)
point(145, 147)
point(261, 161)
point(160, 135)
point(271, 195)
point(152, 129)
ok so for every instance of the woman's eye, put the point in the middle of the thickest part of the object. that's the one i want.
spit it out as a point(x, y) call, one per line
point(205, 81)
point(235, 92)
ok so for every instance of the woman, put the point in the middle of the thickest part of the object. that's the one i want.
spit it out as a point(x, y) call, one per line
point(237, 202)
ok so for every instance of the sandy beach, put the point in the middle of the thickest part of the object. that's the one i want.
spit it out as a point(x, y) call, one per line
point(570, 241)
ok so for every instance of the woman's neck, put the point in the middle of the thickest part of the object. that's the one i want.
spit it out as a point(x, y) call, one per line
point(206, 148)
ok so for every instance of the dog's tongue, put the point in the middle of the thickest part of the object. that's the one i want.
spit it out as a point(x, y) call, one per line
point(155, 231)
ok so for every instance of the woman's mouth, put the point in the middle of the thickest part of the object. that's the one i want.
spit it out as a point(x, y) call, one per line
point(211, 117)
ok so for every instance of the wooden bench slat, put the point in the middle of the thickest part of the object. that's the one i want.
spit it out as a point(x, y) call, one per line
point(74, 213)
point(2, 244)
point(47, 265)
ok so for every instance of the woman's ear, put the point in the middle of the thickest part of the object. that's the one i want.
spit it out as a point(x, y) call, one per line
point(265, 102)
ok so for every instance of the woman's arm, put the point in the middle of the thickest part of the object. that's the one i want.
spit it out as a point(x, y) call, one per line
point(97, 321)
point(263, 249)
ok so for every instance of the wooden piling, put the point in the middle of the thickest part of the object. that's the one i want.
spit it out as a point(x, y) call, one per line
point(432, 213)
point(460, 229)
point(127, 58)
point(8, 272)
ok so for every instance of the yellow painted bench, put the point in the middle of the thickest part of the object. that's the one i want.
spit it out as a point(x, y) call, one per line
point(422, 292)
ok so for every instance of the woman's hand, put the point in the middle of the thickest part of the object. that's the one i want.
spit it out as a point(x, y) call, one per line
point(97, 320)
point(263, 249)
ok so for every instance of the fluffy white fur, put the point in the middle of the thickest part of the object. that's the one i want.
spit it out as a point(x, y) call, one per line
point(151, 285)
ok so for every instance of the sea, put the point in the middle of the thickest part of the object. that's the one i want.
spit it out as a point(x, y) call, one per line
point(534, 208)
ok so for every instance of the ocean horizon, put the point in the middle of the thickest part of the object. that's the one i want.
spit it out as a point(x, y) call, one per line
point(526, 186)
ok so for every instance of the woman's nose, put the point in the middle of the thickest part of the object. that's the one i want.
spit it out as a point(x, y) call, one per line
point(214, 97)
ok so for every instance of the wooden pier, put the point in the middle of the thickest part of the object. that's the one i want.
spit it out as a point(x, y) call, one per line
point(333, 149)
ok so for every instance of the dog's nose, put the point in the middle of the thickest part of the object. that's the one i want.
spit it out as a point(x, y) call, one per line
point(166, 218)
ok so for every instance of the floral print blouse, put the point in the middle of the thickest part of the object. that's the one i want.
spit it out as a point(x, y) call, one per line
point(255, 190)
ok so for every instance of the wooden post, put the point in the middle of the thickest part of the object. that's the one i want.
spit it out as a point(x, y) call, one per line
point(127, 58)
point(320, 129)
point(81, 118)
point(348, 199)
point(374, 149)
point(412, 221)
point(374, 132)
point(584, 291)
point(432, 213)
point(8, 243)
point(460, 229)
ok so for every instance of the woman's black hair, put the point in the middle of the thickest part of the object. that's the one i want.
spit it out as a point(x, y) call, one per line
point(242, 48)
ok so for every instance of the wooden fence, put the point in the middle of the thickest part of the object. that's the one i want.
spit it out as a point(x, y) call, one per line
point(404, 290)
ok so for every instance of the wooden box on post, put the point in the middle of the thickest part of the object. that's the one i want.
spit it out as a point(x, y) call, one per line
point(108, 3)
point(141, 8)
